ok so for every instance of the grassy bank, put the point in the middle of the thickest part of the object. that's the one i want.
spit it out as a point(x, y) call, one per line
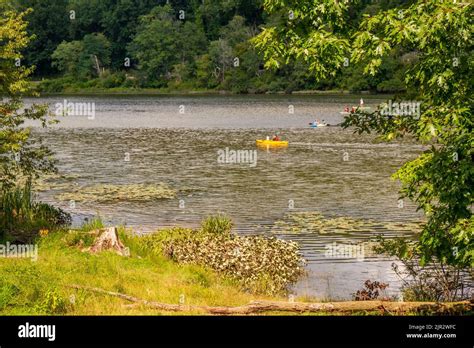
point(40, 287)
point(154, 268)
point(128, 91)
point(196, 270)
point(44, 286)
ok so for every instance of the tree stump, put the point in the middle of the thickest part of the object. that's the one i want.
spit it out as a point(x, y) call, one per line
point(108, 239)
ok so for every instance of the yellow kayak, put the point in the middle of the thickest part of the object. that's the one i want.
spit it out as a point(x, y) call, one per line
point(271, 143)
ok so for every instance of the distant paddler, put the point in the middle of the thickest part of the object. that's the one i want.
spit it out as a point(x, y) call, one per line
point(316, 123)
point(275, 141)
point(347, 111)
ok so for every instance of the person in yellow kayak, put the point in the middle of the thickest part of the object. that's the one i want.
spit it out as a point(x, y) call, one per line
point(276, 138)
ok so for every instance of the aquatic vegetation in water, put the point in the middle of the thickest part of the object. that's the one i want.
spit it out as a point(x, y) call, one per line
point(69, 189)
point(51, 182)
point(108, 193)
point(315, 222)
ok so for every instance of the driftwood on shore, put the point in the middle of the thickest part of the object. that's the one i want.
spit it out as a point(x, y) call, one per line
point(255, 307)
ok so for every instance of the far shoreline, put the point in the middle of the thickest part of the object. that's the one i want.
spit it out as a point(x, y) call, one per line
point(170, 92)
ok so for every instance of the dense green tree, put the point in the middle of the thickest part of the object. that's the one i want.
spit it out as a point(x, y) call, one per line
point(120, 22)
point(52, 24)
point(85, 58)
point(236, 31)
point(20, 156)
point(49, 23)
point(213, 15)
point(194, 25)
point(191, 41)
point(97, 49)
point(232, 57)
point(441, 180)
point(88, 17)
point(66, 57)
point(222, 57)
point(244, 59)
point(155, 45)
point(205, 77)
point(163, 41)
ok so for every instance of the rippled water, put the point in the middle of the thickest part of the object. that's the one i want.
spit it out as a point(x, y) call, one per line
point(328, 171)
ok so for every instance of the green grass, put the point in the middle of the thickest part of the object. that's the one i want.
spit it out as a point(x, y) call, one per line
point(93, 224)
point(36, 288)
point(41, 287)
point(217, 224)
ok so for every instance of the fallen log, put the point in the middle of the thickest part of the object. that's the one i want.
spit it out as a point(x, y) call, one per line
point(261, 306)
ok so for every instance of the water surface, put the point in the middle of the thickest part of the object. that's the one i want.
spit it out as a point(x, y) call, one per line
point(326, 177)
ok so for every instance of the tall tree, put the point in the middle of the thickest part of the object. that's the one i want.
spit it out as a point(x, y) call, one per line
point(213, 15)
point(120, 22)
point(222, 57)
point(88, 17)
point(48, 22)
point(85, 58)
point(162, 41)
point(20, 156)
point(155, 45)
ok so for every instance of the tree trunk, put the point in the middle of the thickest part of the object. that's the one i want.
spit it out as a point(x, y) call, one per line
point(298, 307)
point(97, 65)
point(108, 239)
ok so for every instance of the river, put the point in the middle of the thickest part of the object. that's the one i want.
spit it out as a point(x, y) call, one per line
point(330, 188)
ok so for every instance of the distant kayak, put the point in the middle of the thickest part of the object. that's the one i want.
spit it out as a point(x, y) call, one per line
point(319, 125)
point(354, 109)
point(271, 143)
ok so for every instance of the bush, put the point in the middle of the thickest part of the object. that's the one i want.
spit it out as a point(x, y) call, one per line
point(435, 281)
point(56, 85)
point(21, 218)
point(92, 83)
point(130, 82)
point(258, 264)
point(237, 81)
point(391, 86)
point(371, 291)
point(112, 80)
